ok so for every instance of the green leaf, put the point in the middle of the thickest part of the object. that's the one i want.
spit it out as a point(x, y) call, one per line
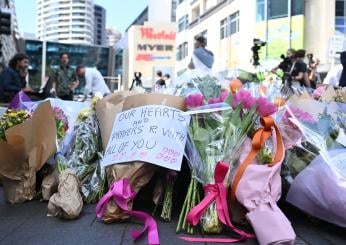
point(202, 134)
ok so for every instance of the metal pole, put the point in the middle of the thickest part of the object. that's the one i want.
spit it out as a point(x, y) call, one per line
point(44, 48)
point(290, 23)
point(266, 7)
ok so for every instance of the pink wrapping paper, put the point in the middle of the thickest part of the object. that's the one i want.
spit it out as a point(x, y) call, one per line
point(258, 190)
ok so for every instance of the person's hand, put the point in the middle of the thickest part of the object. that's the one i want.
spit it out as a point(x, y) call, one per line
point(74, 85)
point(28, 89)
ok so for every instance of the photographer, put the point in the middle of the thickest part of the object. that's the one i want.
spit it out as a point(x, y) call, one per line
point(136, 82)
point(286, 63)
point(314, 76)
point(299, 71)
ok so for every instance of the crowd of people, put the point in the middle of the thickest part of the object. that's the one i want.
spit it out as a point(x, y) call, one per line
point(64, 83)
point(296, 72)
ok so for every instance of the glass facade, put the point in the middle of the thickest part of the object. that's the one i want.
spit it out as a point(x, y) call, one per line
point(90, 56)
point(278, 8)
point(340, 18)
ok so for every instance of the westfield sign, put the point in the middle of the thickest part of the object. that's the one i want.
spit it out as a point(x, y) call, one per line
point(149, 33)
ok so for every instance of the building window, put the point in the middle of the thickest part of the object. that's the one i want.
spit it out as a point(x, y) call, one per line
point(340, 8)
point(195, 13)
point(182, 51)
point(260, 10)
point(183, 23)
point(180, 1)
point(234, 23)
point(224, 28)
point(174, 11)
point(297, 7)
point(277, 9)
point(340, 18)
point(202, 34)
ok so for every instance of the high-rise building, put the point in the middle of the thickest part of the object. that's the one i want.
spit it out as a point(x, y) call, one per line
point(113, 36)
point(99, 25)
point(9, 43)
point(68, 21)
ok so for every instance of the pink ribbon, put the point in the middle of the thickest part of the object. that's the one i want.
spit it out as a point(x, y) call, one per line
point(121, 193)
point(217, 192)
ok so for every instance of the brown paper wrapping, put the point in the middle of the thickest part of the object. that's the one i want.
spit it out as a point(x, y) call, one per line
point(67, 203)
point(50, 185)
point(28, 147)
point(138, 173)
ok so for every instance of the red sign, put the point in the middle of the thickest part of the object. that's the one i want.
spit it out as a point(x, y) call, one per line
point(152, 57)
point(148, 33)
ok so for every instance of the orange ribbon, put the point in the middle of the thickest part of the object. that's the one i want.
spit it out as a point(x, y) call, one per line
point(258, 140)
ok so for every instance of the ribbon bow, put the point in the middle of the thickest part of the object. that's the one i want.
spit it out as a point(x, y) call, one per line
point(260, 137)
point(122, 193)
point(217, 192)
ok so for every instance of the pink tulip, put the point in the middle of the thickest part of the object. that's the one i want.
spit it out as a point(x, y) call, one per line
point(214, 100)
point(243, 97)
point(223, 96)
point(265, 107)
point(194, 100)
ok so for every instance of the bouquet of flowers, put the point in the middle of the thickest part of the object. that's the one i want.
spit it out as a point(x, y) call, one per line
point(323, 145)
point(217, 132)
point(25, 146)
point(85, 154)
point(61, 122)
point(301, 150)
point(12, 118)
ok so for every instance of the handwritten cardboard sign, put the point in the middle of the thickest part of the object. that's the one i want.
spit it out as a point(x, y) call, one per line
point(154, 133)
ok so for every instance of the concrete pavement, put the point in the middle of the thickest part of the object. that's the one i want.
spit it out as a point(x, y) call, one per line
point(28, 224)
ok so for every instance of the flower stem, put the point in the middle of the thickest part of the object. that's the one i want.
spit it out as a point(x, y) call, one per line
point(167, 203)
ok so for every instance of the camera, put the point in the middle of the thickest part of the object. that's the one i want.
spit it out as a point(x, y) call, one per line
point(285, 64)
point(257, 44)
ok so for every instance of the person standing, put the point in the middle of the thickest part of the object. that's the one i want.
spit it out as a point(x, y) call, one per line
point(137, 81)
point(94, 81)
point(167, 79)
point(160, 81)
point(13, 78)
point(286, 64)
point(337, 74)
point(299, 71)
point(314, 76)
point(65, 78)
point(201, 57)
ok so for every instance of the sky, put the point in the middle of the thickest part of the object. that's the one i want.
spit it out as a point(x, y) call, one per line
point(119, 13)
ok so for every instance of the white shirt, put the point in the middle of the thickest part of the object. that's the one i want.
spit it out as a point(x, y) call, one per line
point(333, 76)
point(94, 82)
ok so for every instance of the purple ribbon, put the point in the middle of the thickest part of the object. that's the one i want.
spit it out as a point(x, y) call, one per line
point(122, 193)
